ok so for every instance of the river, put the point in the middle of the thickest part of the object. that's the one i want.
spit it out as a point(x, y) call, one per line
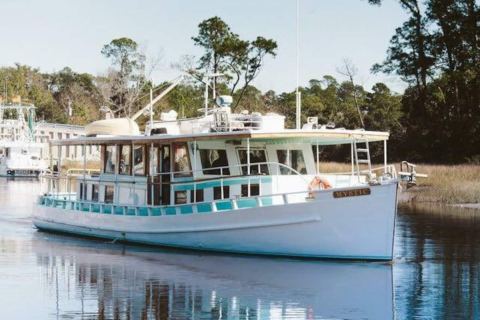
point(435, 275)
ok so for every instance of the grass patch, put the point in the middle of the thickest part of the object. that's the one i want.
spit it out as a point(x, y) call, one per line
point(446, 184)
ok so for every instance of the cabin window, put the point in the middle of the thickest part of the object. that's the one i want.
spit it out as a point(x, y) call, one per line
point(213, 160)
point(154, 160)
point(293, 159)
point(254, 190)
point(80, 196)
point(124, 164)
point(217, 193)
point(108, 198)
point(84, 189)
point(196, 196)
point(139, 160)
point(180, 197)
point(110, 158)
point(181, 165)
point(256, 156)
point(95, 192)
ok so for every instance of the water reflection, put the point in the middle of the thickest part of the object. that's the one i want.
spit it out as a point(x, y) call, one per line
point(436, 274)
point(119, 282)
point(45, 276)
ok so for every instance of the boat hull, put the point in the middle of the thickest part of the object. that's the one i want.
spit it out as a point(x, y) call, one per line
point(349, 226)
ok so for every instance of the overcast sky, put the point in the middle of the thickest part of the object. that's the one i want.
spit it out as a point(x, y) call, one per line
point(52, 34)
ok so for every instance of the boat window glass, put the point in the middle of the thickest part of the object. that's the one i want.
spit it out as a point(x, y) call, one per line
point(217, 193)
point(215, 159)
point(80, 196)
point(84, 188)
point(254, 190)
point(292, 158)
point(154, 160)
point(256, 156)
point(110, 158)
point(196, 196)
point(315, 160)
point(139, 160)
point(108, 194)
point(180, 197)
point(165, 157)
point(124, 164)
point(181, 165)
point(94, 192)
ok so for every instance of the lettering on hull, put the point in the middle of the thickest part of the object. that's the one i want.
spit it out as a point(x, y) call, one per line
point(351, 193)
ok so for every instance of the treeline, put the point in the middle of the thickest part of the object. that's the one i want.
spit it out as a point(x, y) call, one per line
point(436, 51)
point(80, 94)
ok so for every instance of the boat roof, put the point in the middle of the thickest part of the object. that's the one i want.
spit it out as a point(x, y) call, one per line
point(314, 136)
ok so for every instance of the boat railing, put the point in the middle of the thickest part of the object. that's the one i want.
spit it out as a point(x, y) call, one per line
point(67, 183)
point(63, 201)
point(259, 166)
point(82, 172)
point(388, 170)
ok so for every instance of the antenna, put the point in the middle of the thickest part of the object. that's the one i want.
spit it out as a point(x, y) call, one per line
point(298, 100)
point(206, 78)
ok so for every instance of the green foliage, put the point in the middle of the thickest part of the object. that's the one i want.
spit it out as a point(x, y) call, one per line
point(124, 54)
point(437, 52)
point(124, 83)
point(224, 52)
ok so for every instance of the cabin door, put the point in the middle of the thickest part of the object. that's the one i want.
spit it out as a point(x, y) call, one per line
point(165, 174)
point(154, 189)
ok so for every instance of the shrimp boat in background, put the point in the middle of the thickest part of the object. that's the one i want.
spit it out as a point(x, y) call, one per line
point(20, 155)
point(238, 183)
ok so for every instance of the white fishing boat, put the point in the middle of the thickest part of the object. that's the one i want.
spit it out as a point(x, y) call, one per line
point(227, 182)
point(20, 155)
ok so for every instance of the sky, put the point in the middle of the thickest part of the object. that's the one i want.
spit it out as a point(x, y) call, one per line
point(52, 34)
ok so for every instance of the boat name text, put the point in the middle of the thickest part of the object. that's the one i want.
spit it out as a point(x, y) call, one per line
point(351, 193)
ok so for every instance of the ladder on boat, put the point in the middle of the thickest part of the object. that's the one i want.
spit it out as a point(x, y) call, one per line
point(361, 150)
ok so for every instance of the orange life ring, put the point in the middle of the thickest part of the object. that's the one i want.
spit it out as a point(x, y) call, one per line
point(319, 184)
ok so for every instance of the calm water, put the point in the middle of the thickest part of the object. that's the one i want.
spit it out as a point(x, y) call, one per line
point(435, 275)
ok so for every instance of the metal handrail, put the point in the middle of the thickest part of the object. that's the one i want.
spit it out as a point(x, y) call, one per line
point(222, 168)
point(213, 203)
point(55, 180)
point(80, 171)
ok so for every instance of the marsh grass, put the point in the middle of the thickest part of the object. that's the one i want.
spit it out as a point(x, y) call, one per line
point(446, 184)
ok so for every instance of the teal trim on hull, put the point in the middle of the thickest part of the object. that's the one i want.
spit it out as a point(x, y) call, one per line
point(227, 182)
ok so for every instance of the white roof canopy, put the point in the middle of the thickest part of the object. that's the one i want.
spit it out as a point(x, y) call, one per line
point(321, 137)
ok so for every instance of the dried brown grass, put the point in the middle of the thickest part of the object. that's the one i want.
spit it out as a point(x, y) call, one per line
point(446, 184)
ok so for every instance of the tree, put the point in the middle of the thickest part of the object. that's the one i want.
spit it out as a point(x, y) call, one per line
point(437, 52)
point(349, 70)
point(224, 52)
point(77, 92)
point(123, 83)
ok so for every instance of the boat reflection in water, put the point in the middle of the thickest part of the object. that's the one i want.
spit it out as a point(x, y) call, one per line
point(104, 281)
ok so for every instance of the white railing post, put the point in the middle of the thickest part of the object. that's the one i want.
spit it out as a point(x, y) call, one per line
point(385, 156)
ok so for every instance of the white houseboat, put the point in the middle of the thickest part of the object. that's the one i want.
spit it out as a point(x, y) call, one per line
point(20, 154)
point(227, 182)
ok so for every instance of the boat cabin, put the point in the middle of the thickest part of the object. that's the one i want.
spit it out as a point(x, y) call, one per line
point(178, 170)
